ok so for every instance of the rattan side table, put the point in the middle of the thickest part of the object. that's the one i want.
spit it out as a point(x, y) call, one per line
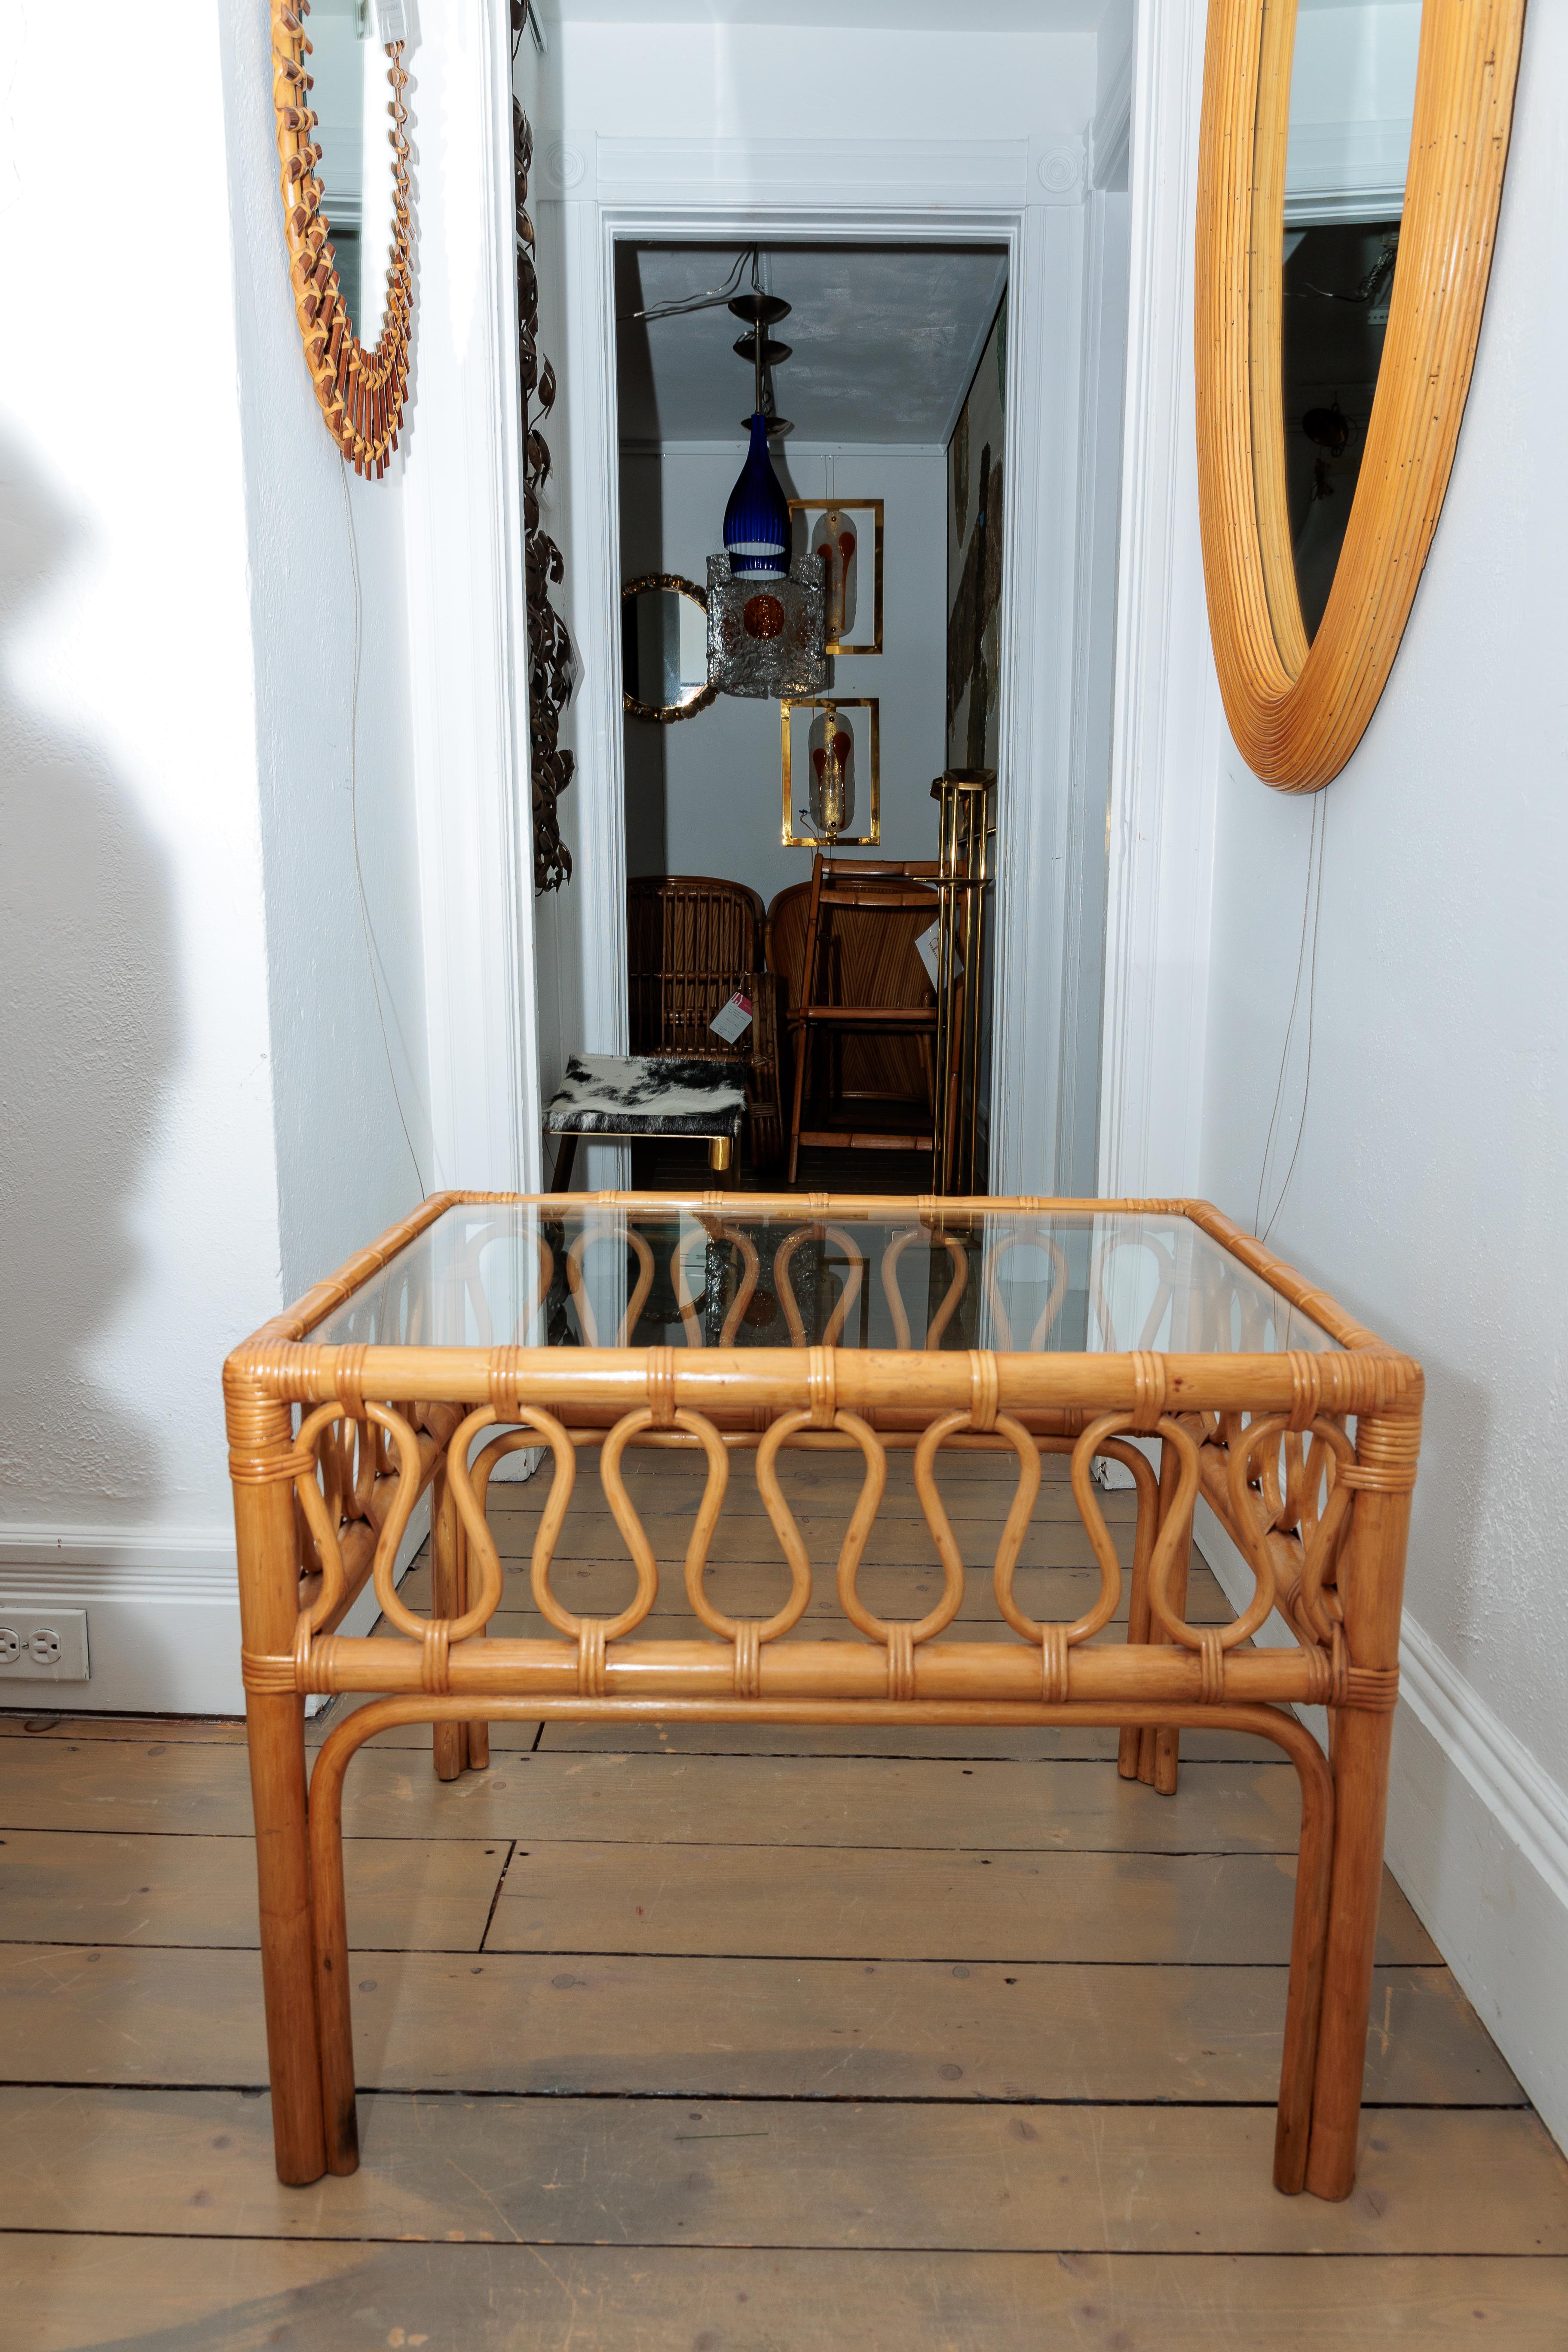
point(738, 1324)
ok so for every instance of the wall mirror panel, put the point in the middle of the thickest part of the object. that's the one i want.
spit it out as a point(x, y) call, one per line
point(1350, 171)
point(342, 152)
point(664, 647)
point(1351, 108)
point(356, 170)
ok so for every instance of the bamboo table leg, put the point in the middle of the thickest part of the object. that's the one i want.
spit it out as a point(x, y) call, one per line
point(1371, 1588)
point(449, 1741)
point(1159, 1760)
point(269, 1607)
point(1130, 1746)
point(1152, 1756)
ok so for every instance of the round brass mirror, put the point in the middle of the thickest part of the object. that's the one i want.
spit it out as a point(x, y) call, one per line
point(664, 647)
point(1350, 175)
point(344, 178)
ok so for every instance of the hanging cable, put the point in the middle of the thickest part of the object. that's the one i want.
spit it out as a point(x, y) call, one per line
point(1306, 964)
point(371, 949)
point(715, 296)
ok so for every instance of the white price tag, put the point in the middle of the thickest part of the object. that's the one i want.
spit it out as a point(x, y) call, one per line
point(928, 947)
point(733, 1020)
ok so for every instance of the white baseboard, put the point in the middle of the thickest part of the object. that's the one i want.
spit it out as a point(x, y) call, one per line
point(1477, 1838)
point(163, 1616)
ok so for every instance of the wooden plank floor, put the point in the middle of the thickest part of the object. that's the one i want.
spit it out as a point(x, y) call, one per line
point(685, 2040)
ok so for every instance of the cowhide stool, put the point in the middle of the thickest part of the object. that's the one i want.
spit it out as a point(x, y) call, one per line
point(627, 1097)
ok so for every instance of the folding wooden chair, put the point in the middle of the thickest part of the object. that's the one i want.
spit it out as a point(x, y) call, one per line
point(867, 964)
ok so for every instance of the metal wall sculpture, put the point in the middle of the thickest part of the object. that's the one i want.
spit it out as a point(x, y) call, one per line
point(552, 663)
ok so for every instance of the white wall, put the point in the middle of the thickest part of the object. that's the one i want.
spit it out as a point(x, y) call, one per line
point(199, 1111)
point(140, 1220)
point(342, 1091)
point(703, 795)
point(1427, 1191)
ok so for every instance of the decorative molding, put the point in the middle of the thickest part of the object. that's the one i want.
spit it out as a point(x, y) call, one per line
point(467, 626)
point(910, 175)
point(1111, 134)
point(1059, 168)
point(563, 167)
point(1101, 417)
point(1165, 728)
point(1464, 1813)
point(1029, 1049)
point(1527, 1803)
point(197, 1566)
point(164, 1614)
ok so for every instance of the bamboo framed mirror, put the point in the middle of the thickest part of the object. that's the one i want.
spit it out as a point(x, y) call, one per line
point(664, 648)
point(1350, 174)
point(344, 173)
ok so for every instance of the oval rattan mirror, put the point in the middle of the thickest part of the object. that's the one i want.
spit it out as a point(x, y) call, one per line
point(1307, 214)
point(664, 648)
point(344, 178)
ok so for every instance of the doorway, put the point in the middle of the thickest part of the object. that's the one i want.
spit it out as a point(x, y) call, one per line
point(1065, 240)
point(883, 378)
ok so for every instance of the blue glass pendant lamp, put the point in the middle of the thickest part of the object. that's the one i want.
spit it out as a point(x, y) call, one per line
point(756, 520)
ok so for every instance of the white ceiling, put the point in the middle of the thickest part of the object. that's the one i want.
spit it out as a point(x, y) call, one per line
point(885, 340)
point(882, 15)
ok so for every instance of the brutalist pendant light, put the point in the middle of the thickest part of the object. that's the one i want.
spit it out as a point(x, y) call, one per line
point(767, 626)
point(756, 520)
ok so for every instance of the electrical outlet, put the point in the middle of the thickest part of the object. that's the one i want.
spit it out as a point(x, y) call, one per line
point(43, 1645)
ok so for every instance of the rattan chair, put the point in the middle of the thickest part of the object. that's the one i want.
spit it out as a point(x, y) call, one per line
point(692, 940)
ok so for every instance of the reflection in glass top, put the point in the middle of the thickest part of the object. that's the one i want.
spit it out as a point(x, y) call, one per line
point(574, 1273)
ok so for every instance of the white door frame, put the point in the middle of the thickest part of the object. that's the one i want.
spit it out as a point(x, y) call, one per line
point(1025, 195)
point(1168, 725)
point(467, 652)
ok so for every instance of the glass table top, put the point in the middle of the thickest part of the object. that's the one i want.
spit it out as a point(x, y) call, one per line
point(575, 1272)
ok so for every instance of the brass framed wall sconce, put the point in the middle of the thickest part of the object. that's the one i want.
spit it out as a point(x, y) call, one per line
point(833, 749)
point(836, 531)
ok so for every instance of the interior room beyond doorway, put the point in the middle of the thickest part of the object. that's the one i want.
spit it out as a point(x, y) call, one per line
point(885, 390)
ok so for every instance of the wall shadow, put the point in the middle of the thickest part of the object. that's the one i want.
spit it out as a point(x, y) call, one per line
point(88, 982)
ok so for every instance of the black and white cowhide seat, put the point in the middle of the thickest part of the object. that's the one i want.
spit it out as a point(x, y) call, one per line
point(629, 1096)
